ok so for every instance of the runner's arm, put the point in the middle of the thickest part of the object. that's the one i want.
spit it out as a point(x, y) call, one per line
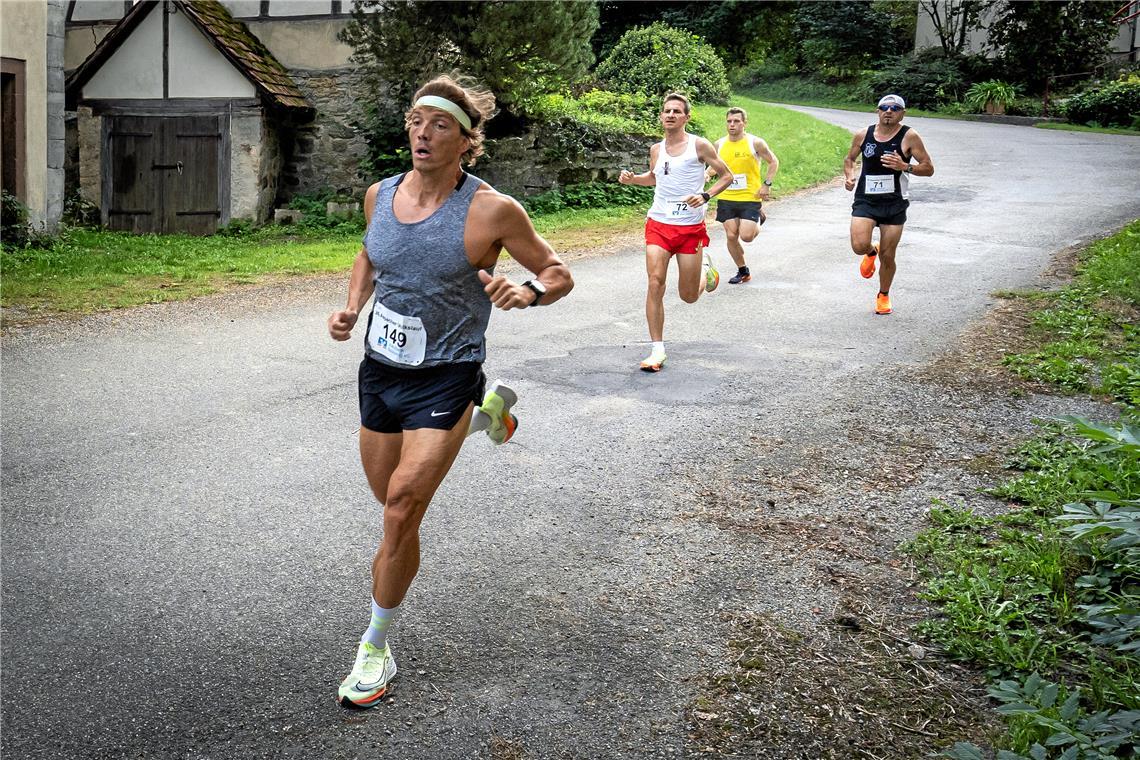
point(708, 155)
point(648, 179)
point(913, 145)
point(527, 247)
point(850, 161)
point(360, 282)
point(709, 172)
point(769, 159)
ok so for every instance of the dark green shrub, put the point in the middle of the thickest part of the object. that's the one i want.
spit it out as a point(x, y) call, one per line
point(14, 228)
point(658, 59)
point(1116, 104)
point(588, 195)
point(923, 80)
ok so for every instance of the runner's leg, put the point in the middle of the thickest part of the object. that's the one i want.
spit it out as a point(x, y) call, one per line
point(748, 232)
point(889, 236)
point(425, 457)
point(689, 280)
point(861, 229)
point(732, 241)
point(656, 267)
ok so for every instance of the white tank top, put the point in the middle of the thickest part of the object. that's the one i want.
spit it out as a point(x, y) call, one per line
point(678, 177)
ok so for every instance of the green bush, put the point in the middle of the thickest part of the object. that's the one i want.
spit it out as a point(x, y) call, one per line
point(1115, 104)
point(658, 59)
point(607, 111)
point(14, 227)
point(982, 94)
point(923, 80)
point(588, 195)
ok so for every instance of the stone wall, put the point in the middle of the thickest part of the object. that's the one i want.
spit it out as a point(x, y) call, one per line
point(326, 153)
point(89, 129)
point(535, 163)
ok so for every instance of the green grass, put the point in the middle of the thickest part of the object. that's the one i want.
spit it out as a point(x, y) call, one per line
point(1050, 587)
point(1085, 128)
point(810, 151)
point(89, 270)
point(1088, 336)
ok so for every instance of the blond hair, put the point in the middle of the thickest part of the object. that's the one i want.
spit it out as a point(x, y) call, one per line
point(676, 96)
point(476, 101)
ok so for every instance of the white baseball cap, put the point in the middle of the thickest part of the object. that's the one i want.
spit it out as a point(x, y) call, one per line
point(892, 100)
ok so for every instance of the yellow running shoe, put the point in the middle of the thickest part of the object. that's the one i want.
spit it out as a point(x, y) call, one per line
point(712, 277)
point(882, 304)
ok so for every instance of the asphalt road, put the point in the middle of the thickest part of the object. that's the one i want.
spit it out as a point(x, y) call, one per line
point(186, 532)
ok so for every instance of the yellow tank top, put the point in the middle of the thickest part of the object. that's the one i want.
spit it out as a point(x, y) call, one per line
point(745, 168)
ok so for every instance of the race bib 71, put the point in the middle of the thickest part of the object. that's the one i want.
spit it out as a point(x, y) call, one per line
point(879, 184)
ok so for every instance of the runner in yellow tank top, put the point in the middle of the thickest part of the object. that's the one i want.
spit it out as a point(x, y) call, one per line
point(739, 207)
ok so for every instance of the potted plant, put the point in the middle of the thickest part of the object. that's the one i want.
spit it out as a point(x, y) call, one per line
point(991, 97)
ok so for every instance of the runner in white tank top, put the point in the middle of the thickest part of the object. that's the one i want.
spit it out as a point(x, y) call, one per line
point(676, 220)
point(678, 178)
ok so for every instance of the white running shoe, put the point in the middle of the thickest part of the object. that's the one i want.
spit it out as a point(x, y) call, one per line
point(366, 685)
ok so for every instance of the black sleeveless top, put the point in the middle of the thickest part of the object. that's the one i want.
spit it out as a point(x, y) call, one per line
point(886, 185)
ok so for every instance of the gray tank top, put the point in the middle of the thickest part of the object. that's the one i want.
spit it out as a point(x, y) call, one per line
point(429, 307)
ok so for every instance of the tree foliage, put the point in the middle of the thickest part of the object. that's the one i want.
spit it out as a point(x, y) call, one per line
point(517, 48)
point(741, 31)
point(1037, 39)
point(658, 59)
point(844, 37)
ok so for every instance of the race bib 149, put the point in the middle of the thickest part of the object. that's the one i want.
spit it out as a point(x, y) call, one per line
point(397, 337)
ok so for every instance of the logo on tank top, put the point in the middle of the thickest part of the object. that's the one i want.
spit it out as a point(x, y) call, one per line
point(869, 150)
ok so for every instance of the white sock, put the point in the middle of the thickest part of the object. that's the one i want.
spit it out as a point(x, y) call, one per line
point(658, 347)
point(377, 633)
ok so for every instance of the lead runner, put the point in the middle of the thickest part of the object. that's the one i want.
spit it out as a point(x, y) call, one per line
point(433, 235)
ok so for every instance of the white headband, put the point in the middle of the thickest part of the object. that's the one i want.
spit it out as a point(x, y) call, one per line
point(443, 104)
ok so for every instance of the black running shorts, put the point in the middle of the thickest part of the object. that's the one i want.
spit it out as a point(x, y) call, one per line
point(892, 212)
point(748, 210)
point(393, 399)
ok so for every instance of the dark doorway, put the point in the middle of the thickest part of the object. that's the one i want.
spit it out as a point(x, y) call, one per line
point(164, 174)
point(12, 127)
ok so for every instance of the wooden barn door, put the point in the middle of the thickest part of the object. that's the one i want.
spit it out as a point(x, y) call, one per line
point(164, 173)
point(191, 150)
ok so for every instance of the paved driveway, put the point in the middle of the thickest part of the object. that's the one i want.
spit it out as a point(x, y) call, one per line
point(187, 535)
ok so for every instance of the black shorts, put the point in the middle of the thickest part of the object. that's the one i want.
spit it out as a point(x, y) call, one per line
point(393, 399)
point(748, 210)
point(891, 212)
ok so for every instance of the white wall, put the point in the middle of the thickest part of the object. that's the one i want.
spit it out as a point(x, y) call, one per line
point(197, 69)
point(135, 69)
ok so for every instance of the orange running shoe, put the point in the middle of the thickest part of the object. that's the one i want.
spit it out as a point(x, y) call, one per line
point(867, 265)
point(882, 304)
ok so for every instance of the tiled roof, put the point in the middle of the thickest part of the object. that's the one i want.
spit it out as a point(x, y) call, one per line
point(246, 51)
point(229, 36)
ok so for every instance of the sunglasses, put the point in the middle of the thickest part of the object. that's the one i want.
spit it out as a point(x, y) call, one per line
point(890, 108)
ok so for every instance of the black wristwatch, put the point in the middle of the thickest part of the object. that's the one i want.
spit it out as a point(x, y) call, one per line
point(538, 288)
point(706, 196)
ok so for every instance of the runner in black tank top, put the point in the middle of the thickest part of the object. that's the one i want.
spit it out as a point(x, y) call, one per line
point(882, 190)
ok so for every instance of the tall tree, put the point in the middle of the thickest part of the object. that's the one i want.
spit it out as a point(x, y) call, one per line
point(516, 48)
point(1036, 40)
point(953, 20)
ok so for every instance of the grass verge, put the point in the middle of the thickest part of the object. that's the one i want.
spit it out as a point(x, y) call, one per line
point(1085, 128)
point(1046, 597)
